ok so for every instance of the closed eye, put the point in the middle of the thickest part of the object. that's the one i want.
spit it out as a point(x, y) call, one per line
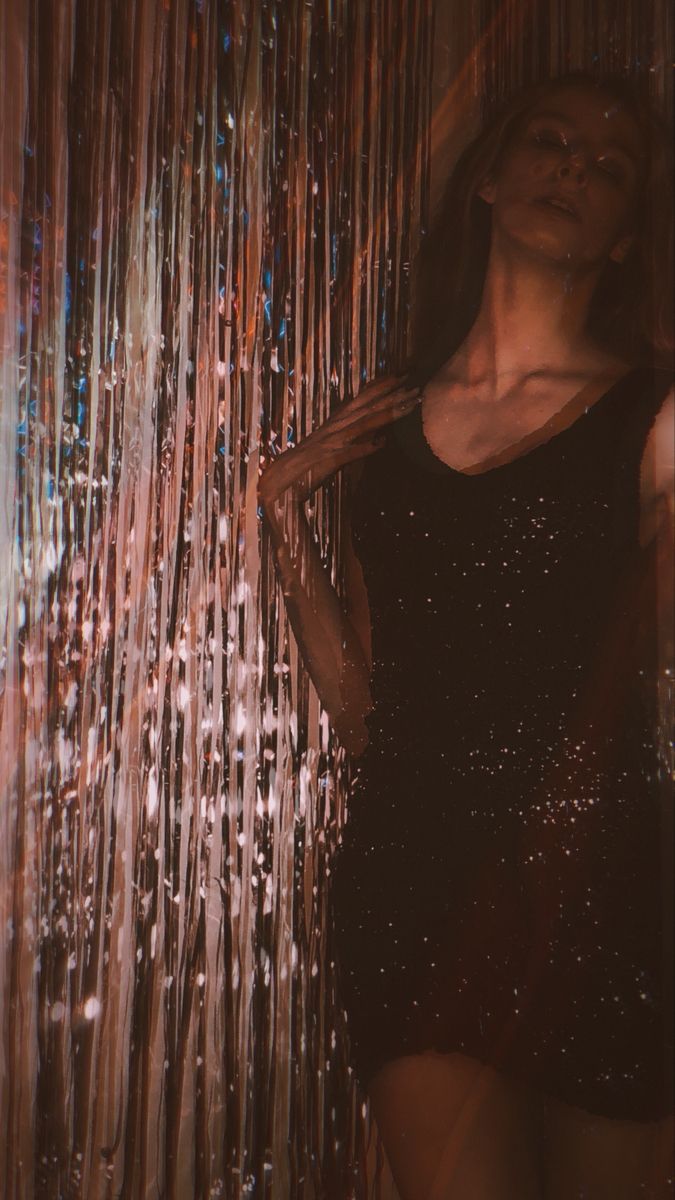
point(609, 167)
point(547, 137)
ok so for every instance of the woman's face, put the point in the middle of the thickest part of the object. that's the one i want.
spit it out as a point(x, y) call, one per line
point(568, 180)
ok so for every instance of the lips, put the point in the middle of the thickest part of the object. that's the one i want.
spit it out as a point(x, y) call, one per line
point(561, 204)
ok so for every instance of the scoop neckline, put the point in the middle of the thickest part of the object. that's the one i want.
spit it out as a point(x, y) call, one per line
point(538, 445)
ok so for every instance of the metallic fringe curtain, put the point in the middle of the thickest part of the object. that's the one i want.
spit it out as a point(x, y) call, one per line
point(208, 215)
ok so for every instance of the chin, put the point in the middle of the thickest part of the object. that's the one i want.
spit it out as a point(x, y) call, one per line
point(539, 244)
point(532, 233)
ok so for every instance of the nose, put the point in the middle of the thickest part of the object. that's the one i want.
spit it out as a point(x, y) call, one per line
point(575, 167)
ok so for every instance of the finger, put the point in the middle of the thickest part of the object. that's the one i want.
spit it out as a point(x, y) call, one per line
point(388, 408)
point(360, 403)
point(375, 407)
point(360, 427)
point(317, 474)
point(373, 391)
point(383, 383)
point(381, 414)
point(370, 405)
point(409, 397)
point(394, 387)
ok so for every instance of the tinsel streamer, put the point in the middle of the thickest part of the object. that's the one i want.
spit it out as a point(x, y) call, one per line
point(208, 216)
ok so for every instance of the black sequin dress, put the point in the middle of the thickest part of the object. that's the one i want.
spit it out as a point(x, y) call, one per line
point(502, 884)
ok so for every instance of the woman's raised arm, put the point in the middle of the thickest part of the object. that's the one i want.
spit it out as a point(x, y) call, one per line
point(328, 641)
point(326, 638)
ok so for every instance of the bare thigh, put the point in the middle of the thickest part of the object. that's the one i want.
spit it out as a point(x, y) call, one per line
point(453, 1127)
point(602, 1159)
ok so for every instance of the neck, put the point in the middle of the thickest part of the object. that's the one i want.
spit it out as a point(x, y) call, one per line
point(532, 320)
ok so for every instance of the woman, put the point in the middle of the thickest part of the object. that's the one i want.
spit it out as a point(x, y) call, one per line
point(498, 895)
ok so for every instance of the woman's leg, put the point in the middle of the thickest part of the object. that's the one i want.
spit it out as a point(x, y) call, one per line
point(602, 1159)
point(453, 1127)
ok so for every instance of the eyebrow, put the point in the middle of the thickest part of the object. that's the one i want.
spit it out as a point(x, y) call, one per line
point(558, 116)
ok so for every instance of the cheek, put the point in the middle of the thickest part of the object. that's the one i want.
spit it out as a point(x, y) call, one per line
point(610, 214)
point(525, 172)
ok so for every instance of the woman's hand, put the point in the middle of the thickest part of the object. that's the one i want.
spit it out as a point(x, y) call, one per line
point(353, 431)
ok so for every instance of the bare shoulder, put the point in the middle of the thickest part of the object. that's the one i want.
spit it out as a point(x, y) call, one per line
point(658, 460)
point(657, 470)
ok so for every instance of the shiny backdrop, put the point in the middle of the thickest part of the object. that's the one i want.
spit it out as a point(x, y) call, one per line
point(208, 214)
